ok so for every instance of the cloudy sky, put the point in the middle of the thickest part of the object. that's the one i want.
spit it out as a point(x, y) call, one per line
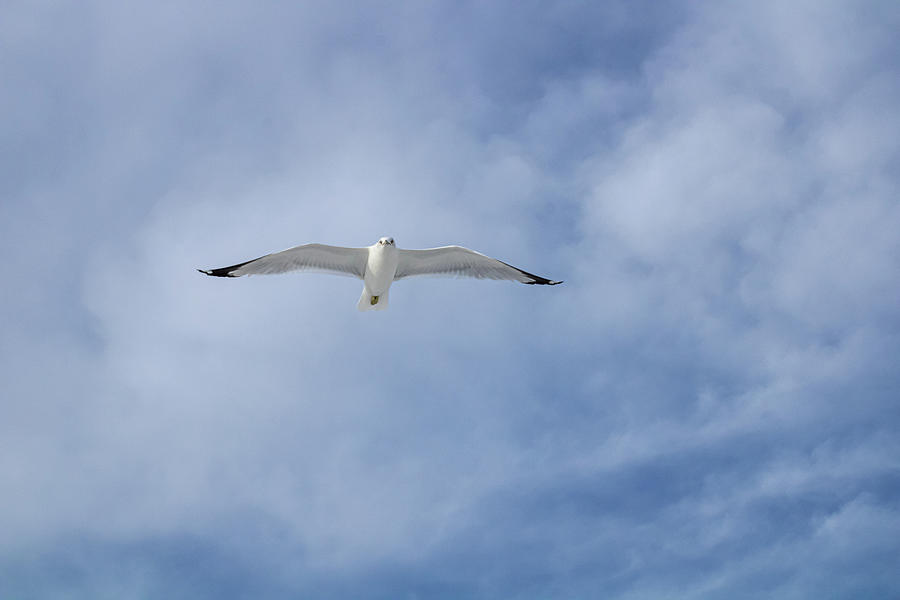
point(707, 408)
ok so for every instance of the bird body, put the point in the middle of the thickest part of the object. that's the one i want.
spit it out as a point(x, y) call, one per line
point(380, 270)
point(380, 264)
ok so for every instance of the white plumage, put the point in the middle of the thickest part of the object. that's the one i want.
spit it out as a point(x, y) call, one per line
point(379, 265)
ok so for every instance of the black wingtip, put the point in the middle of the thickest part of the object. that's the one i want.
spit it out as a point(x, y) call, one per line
point(225, 272)
point(535, 279)
point(542, 281)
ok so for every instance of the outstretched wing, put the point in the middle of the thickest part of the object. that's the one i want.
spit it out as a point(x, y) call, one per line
point(308, 257)
point(461, 262)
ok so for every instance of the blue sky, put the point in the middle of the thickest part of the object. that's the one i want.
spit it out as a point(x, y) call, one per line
point(708, 408)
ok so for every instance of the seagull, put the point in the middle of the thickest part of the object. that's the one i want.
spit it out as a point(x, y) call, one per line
point(380, 265)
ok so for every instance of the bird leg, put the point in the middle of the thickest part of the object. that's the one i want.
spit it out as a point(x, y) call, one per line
point(374, 300)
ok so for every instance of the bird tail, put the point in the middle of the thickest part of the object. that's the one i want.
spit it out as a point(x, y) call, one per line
point(369, 301)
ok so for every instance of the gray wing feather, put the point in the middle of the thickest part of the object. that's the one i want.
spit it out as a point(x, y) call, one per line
point(308, 257)
point(461, 262)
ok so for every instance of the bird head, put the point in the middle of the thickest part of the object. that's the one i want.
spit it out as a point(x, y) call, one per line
point(386, 241)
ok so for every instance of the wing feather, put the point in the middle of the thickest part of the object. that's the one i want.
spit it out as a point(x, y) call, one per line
point(308, 257)
point(461, 262)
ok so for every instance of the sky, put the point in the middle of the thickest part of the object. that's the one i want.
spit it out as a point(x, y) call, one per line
point(708, 407)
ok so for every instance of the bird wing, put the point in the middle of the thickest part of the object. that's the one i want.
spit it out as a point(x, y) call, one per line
point(461, 262)
point(308, 257)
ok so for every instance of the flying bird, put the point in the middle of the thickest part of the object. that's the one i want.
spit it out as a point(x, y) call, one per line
point(380, 265)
